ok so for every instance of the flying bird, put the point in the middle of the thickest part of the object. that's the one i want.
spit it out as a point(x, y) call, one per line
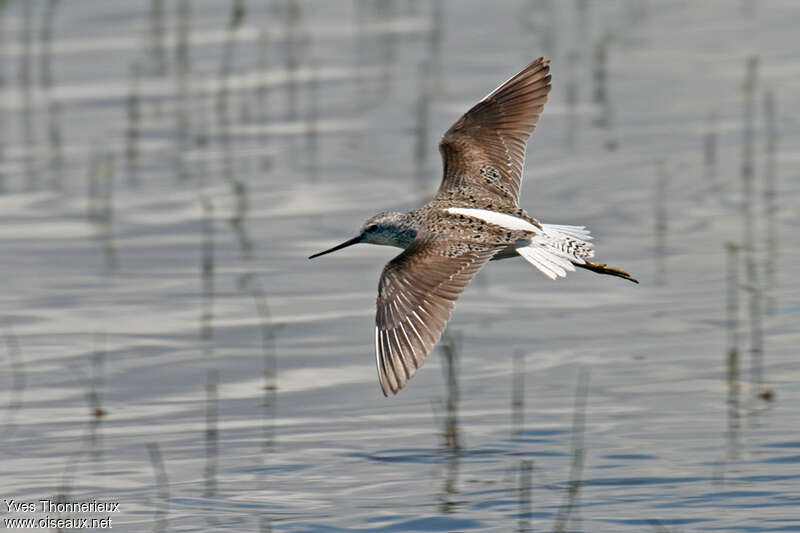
point(474, 218)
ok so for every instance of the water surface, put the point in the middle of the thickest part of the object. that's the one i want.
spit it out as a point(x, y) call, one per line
point(167, 167)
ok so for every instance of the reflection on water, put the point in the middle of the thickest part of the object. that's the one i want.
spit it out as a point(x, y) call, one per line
point(25, 77)
point(166, 167)
point(752, 219)
point(312, 133)
point(571, 97)
point(183, 70)
point(525, 495)
point(710, 143)
point(538, 18)
point(421, 137)
point(269, 333)
point(294, 53)
point(3, 84)
point(732, 354)
point(95, 380)
point(160, 486)
point(600, 81)
point(578, 452)
point(17, 389)
point(518, 394)
point(750, 222)
point(132, 129)
point(156, 41)
point(97, 384)
point(101, 205)
point(52, 106)
point(450, 345)
point(207, 338)
point(452, 445)
point(770, 196)
point(661, 223)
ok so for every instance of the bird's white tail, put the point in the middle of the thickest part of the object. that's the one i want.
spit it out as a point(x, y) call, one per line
point(556, 248)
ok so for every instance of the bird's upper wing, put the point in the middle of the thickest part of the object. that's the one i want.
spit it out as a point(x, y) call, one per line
point(486, 146)
point(417, 290)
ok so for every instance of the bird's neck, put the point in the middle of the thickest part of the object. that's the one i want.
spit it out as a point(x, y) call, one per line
point(402, 237)
point(400, 234)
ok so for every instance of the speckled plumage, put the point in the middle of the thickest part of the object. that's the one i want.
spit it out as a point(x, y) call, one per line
point(475, 217)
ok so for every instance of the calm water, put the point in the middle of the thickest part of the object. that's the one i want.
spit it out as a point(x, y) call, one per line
point(166, 167)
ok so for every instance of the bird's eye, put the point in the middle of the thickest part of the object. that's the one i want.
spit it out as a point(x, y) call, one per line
point(372, 229)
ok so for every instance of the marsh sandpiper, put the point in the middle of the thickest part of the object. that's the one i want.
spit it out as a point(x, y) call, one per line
point(475, 217)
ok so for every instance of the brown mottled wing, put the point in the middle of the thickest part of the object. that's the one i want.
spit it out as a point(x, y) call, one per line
point(486, 146)
point(416, 293)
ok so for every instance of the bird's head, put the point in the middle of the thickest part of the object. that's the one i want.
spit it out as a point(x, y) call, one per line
point(390, 228)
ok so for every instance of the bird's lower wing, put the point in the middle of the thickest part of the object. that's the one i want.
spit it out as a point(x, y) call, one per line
point(416, 293)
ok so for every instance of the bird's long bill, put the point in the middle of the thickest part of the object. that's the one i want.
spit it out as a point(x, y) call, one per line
point(351, 242)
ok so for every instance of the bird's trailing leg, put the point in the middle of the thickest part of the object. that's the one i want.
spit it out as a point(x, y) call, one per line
point(602, 268)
